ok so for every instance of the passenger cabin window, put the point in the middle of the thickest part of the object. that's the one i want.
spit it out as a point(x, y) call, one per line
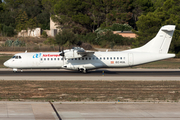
point(54, 58)
point(111, 58)
point(117, 58)
point(107, 58)
point(47, 58)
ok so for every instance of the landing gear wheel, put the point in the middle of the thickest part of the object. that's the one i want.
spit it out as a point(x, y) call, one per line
point(85, 71)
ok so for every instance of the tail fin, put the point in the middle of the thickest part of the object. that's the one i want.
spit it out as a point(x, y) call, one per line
point(161, 42)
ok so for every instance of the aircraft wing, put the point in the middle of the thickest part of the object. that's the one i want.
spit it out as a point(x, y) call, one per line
point(84, 53)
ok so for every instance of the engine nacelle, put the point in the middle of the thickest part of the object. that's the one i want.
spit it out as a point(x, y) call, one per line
point(72, 54)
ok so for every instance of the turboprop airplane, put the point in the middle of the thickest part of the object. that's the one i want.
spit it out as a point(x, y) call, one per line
point(81, 60)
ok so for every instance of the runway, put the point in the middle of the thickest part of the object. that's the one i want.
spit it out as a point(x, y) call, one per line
point(100, 74)
point(89, 111)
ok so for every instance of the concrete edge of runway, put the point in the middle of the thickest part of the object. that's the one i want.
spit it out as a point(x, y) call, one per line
point(89, 102)
point(93, 78)
point(103, 78)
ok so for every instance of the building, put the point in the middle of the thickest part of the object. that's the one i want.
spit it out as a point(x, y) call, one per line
point(129, 34)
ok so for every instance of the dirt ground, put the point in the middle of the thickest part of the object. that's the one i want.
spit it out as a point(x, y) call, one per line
point(124, 91)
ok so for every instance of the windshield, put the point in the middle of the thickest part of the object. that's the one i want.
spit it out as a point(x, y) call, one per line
point(17, 57)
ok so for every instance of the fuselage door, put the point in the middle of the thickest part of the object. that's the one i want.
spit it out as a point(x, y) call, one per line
point(131, 59)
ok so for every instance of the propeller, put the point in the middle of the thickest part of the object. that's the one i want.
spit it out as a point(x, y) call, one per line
point(62, 53)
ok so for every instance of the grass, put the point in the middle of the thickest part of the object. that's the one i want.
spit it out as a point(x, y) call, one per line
point(173, 63)
point(3, 58)
point(124, 91)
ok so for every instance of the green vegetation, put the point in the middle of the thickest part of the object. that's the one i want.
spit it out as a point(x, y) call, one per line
point(16, 43)
point(85, 18)
point(149, 24)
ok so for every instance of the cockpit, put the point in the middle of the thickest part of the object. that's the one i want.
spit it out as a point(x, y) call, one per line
point(16, 57)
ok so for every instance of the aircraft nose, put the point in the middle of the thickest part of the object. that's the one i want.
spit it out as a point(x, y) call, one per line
point(6, 64)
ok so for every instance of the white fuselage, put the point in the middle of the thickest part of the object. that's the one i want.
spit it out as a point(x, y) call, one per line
point(45, 60)
point(79, 59)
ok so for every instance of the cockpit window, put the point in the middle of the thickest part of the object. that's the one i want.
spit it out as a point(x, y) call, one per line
point(17, 57)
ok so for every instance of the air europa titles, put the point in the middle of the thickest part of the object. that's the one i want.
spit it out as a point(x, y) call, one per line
point(50, 55)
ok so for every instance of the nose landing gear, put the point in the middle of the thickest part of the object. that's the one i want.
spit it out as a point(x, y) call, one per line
point(14, 70)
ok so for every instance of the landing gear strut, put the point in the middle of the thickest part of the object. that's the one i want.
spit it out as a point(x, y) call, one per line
point(84, 70)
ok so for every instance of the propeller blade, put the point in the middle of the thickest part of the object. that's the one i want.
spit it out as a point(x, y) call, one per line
point(62, 54)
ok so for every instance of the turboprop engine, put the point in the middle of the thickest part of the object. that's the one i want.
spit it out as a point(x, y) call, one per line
point(75, 52)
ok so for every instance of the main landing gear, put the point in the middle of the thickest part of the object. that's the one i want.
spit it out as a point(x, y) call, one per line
point(84, 70)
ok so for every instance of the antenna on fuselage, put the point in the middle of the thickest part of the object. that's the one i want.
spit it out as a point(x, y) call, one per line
point(26, 51)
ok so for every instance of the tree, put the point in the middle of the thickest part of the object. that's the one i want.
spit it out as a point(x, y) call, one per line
point(43, 20)
point(21, 21)
point(31, 24)
point(65, 36)
point(49, 5)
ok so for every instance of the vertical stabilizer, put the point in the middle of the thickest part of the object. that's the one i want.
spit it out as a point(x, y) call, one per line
point(160, 43)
